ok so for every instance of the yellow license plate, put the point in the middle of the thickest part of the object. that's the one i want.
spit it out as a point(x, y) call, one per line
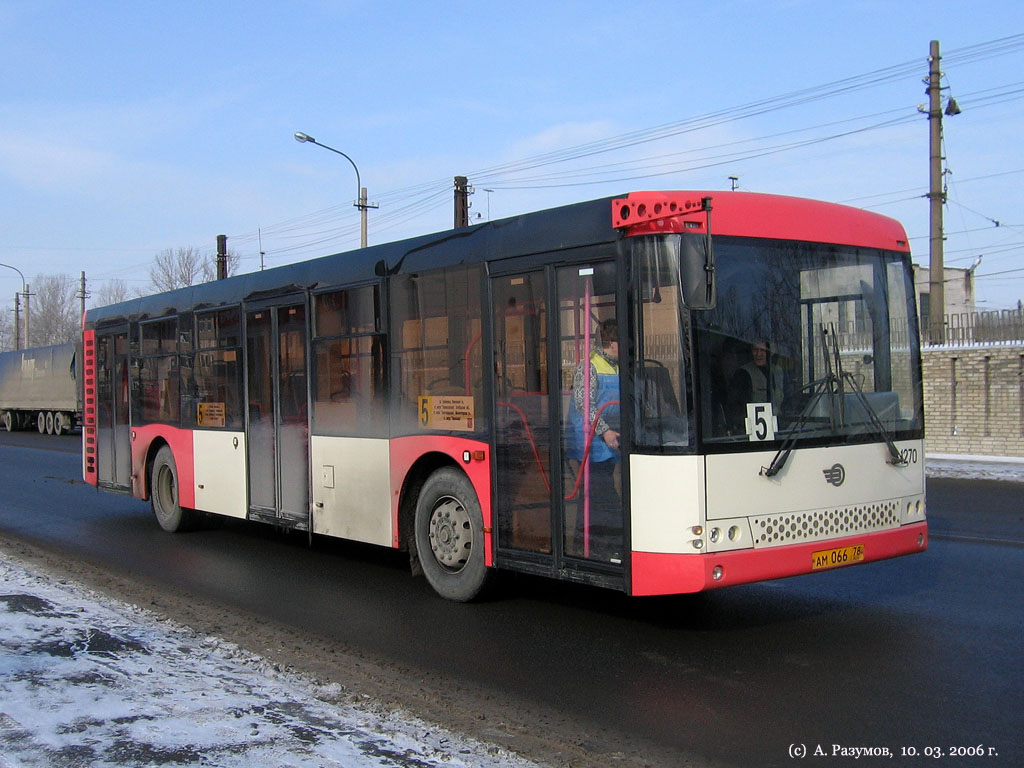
point(833, 558)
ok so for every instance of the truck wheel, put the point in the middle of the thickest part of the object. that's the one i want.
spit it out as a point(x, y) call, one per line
point(49, 422)
point(41, 422)
point(450, 535)
point(8, 421)
point(60, 423)
point(163, 494)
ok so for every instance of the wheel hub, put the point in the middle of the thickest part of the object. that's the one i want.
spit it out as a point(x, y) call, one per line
point(450, 534)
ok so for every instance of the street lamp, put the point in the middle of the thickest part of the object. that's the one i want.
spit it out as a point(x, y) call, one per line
point(361, 203)
point(488, 191)
point(24, 292)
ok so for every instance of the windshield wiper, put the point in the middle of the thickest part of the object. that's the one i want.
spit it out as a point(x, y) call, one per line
point(833, 383)
point(818, 389)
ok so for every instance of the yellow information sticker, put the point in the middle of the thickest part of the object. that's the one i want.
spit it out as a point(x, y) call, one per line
point(446, 412)
point(211, 415)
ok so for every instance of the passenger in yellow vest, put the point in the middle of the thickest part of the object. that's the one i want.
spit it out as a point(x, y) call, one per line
point(603, 410)
point(758, 381)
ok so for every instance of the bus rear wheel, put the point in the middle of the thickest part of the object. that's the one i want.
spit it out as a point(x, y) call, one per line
point(450, 536)
point(163, 494)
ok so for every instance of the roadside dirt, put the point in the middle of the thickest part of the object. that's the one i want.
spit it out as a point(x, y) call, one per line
point(543, 735)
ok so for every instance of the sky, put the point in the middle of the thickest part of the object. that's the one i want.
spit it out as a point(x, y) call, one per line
point(130, 128)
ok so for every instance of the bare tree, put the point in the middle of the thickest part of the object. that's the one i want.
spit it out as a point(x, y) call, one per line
point(186, 266)
point(7, 340)
point(112, 292)
point(176, 269)
point(55, 310)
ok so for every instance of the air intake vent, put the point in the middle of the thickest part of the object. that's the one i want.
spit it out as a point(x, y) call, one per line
point(814, 525)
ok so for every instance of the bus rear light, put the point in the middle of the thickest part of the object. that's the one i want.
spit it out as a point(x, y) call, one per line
point(698, 530)
point(715, 535)
point(698, 543)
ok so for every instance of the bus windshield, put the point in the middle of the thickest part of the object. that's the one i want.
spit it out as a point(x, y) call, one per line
point(808, 338)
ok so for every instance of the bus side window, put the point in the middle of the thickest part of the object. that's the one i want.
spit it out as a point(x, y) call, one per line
point(436, 327)
point(348, 350)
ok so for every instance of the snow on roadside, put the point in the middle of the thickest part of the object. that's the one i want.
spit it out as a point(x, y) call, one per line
point(85, 680)
point(975, 468)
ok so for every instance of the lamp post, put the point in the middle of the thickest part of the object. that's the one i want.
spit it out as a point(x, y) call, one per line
point(24, 292)
point(360, 203)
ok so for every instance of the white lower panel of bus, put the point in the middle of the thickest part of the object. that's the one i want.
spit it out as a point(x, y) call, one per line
point(666, 502)
point(351, 488)
point(697, 504)
point(219, 466)
point(822, 493)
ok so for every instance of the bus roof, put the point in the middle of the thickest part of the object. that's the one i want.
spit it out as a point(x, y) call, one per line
point(745, 214)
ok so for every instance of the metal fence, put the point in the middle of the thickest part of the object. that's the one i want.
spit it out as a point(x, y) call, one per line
point(978, 329)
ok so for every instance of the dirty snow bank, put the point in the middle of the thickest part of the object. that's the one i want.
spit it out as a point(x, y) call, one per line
point(1010, 468)
point(87, 681)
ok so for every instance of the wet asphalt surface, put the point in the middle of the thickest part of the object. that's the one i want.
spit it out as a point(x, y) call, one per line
point(918, 653)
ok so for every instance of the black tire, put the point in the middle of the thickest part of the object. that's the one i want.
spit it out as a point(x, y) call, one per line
point(41, 422)
point(163, 494)
point(450, 536)
point(9, 421)
point(60, 423)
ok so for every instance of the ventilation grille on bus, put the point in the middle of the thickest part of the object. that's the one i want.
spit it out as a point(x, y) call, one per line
point(793, 527)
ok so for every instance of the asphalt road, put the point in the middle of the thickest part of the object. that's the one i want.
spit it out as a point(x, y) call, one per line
point(909, 655)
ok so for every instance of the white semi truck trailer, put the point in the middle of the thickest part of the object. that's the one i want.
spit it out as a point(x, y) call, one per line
point(40, 389)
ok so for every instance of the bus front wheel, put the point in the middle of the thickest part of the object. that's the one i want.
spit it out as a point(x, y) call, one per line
point(163, 493)
point(450, 535)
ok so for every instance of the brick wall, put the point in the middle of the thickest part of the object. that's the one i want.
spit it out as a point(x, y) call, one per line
point(974, 400)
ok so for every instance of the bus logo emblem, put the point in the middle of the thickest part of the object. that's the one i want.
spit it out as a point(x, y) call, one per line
point(835, 474)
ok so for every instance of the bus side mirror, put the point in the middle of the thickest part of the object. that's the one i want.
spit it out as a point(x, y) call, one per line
point(697, 272)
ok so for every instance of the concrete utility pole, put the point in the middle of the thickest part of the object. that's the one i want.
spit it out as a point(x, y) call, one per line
point(222, 257)
point(83, 295)
point(362, 206)
point(937, 198)
point(17, 320)
point(461, 202)
point(28, 339)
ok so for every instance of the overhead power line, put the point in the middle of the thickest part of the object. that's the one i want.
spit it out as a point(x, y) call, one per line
point(333, 223)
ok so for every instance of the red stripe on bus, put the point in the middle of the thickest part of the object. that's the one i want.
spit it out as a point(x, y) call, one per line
point(180, 442)
point(406, 451)
point(656, 573)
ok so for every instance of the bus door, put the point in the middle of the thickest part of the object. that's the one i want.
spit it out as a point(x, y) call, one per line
point(278, 406)
point(113, 425)
point(551, 508)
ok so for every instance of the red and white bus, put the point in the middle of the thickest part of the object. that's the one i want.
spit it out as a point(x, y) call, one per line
point(659, 393)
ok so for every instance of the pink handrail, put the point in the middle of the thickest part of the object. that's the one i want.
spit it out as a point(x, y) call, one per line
point(536, 452)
